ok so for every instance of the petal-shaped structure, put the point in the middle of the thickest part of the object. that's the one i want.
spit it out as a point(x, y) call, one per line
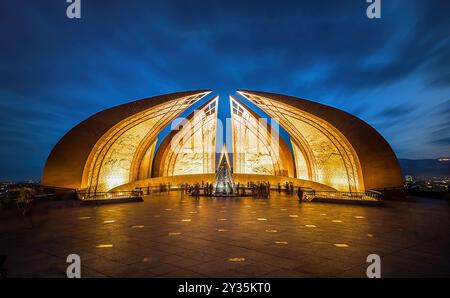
point(330, 146)
point(117, 149)
point(257, 147)
point(190, 148)
point(107, 149)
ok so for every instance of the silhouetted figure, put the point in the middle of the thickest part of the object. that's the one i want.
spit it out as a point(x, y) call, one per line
point(197, 191)
point(211, 189)
point(300, 195)
point(291, 188)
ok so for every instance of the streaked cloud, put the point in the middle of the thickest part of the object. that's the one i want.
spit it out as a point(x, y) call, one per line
point(54, 72)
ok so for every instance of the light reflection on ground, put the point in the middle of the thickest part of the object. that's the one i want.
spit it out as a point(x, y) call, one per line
point(287, 239)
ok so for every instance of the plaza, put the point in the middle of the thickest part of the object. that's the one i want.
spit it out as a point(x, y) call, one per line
point(314, 203)
point(170, 235)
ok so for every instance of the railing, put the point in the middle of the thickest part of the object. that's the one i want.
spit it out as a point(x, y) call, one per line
point(370, 196)
point(112, 195)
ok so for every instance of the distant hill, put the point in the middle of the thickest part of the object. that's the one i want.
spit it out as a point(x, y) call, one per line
point(425, 168)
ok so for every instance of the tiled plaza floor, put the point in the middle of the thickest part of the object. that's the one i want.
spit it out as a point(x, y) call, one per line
point(170, 236)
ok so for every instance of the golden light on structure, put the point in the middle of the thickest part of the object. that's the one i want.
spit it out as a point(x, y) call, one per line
point(257, 147)
point(174, 233)
point(137, 227)
point(84, 217)
point(108, 221)
point(221, 230)
point(293, 215)
point(311, 226)
point(336, 221)
point(118, 155)
point(186, 220)
point(281, 242)
point(321, 152)
point(190, 147)
point(262, 219)
point(118, 149)
point(271, 231)
point(222, 219)
point(359, 217)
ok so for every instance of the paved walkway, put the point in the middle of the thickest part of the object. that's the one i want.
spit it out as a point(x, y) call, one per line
point(167, 236)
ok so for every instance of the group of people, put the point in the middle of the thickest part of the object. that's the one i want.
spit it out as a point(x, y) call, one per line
point(260, 190)
point(197, 189)
point(255, 189)
point(163, 188)
point(288, 188)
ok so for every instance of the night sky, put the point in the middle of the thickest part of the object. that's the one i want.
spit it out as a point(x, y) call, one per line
point(392, 72)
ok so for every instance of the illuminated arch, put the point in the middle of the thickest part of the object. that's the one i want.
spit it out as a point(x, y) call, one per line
point(101, 152)
point(257, 148)
point(333, 147)
point(190, 148)
point(115, 148)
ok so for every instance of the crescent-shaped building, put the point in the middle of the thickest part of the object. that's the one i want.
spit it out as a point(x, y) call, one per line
point(327, 149)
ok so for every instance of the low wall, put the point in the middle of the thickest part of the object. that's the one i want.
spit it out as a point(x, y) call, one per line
point(177, 181)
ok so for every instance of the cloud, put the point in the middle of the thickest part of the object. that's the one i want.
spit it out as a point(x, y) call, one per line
point(441, 141)
point(54, 72)
point(440, 134)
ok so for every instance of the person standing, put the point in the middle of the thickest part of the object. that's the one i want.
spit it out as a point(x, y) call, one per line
point(197, 191)
point(210, 189)
point(300, 195)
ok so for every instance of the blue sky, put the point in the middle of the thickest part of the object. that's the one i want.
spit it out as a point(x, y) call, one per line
point(392, 72)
